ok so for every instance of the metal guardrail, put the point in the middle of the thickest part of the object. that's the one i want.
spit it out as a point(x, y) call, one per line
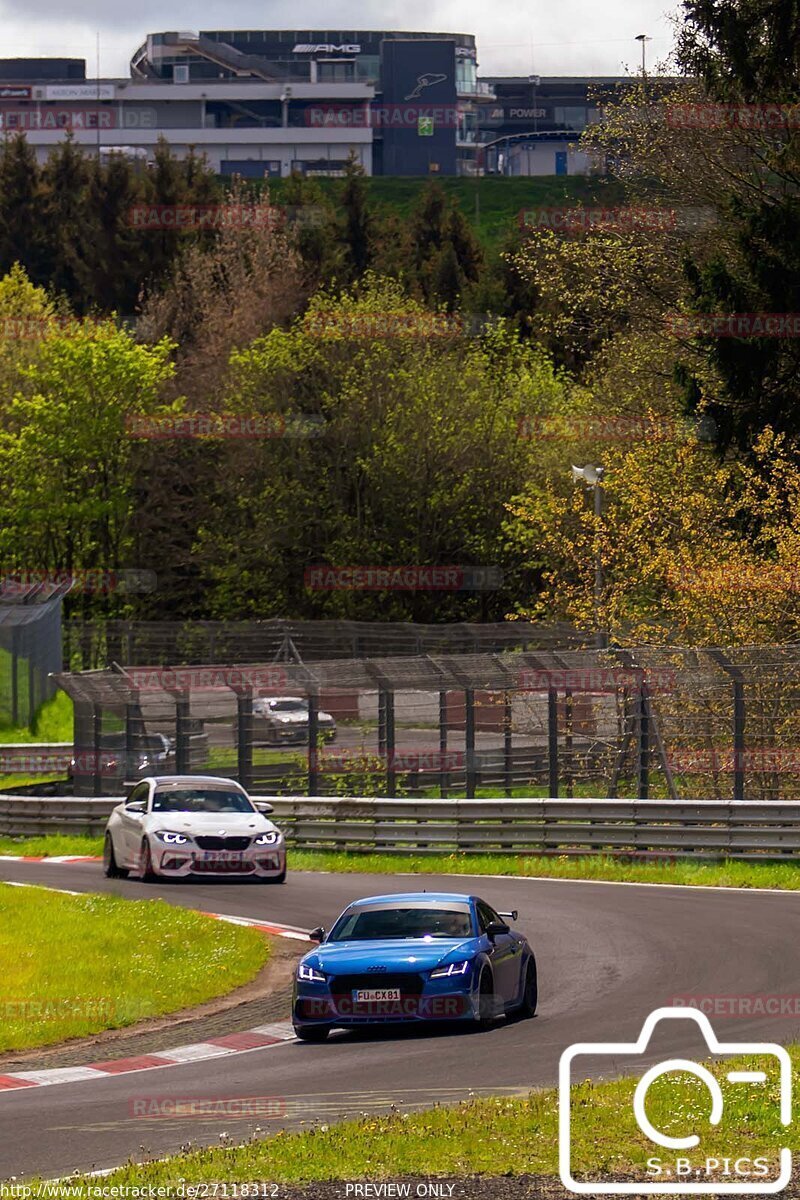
point(634, 828)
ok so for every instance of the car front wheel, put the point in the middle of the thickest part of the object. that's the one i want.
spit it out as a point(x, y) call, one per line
point(147, 871)
point(486, 1010)
point(312, 1033)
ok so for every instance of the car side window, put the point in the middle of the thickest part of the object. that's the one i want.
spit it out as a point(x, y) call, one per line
point(486, 916)
point(139, 793)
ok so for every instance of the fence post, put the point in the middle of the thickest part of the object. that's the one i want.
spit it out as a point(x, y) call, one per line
point(644, 741)
point(391, 774)
point(244, 723)
point(313, 742)
point(739, 715)
point(82, 784)
point(14, 675)
point(508, 750)
point(182, 717)
point(552, 741)
point(469, 740)
point(444, 774)
point(97, 731)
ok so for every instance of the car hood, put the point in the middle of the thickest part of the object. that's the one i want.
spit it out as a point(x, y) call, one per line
point(210, 823)
point(412, 954)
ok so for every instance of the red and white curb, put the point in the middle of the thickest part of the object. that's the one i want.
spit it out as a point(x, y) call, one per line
point(259, 1038)
point(229, 1043)
point(50, 858)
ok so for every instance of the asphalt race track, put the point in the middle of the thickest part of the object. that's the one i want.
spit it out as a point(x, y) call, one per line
point(608, 955)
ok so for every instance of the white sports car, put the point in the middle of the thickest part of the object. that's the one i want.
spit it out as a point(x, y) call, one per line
point(178, 825)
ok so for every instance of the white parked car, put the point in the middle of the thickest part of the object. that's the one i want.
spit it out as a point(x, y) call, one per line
point(178, 825)
point(285, 719)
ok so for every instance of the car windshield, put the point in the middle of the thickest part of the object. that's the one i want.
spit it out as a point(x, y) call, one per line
point(288, 706)
point(363, 924)
point(201, 800)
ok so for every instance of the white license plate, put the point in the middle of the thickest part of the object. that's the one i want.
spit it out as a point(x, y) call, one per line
point(228, 856)
point(374, 995)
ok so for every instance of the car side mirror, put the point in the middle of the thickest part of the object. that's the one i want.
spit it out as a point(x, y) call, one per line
point(317, 935)
point(496, 929)
point(263, 807)
point(139, 807)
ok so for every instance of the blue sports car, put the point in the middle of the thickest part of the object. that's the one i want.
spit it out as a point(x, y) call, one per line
point(425, 956)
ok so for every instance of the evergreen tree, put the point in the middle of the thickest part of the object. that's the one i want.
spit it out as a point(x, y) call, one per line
point(748, 52)
point(65, 179)
point(21, 217)
point(356, 234)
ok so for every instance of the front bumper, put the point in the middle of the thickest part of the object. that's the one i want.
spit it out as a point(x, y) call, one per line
point(256, 862)
point(436, 1000)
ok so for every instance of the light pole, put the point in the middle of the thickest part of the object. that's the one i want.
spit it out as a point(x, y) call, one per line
point(644, 39)
point(593, 477)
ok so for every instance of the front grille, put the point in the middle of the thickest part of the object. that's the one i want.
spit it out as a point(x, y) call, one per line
point(222, 867)
point(223, 843)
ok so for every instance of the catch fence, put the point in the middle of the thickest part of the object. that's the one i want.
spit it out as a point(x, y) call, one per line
point(647, 723)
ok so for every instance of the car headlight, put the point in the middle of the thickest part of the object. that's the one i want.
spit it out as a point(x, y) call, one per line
point(310, 974)
point(460, 968)
point(268, 839)
point(172, 839)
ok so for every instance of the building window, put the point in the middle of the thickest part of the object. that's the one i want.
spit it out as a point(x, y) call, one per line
point(335, 72)
point(466, 76)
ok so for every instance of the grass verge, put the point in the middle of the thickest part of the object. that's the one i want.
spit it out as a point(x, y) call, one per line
point(493, 1137)
point(785, 876)
point(75, 965)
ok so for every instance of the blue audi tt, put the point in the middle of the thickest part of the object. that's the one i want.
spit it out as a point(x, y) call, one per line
point(425, 956)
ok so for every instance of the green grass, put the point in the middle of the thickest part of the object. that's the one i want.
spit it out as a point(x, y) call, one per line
point(491, 203)
point(504, 1136)
point(785, 876)
point(75, 965)
point(53, 723)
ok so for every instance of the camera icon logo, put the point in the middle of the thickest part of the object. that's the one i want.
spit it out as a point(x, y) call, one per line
point(677, 1173)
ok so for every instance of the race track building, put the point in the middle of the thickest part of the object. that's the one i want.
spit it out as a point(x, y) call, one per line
point(265, 103)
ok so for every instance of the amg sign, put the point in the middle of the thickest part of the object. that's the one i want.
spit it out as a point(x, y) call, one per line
point(325, 48)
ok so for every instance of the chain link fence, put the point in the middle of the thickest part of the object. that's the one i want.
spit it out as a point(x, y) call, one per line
point(639, 723)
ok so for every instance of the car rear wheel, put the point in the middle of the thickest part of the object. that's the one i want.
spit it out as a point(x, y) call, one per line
point(530, 994)
point(312, 1033)
point(110, 868)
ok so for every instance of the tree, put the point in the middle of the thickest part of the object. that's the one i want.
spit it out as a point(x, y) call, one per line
point(402, 447)
point(357, 224)
point(21, 225)
point(67, 459)
point(65, 178)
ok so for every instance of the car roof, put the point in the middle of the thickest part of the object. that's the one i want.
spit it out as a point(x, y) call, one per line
point(196, 780)
point(402, 897)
